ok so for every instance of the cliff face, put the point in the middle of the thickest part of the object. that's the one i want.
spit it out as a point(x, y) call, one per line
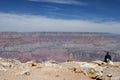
point(59, 46)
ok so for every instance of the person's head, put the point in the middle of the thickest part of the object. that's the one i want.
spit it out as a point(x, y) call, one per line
point(107, 53)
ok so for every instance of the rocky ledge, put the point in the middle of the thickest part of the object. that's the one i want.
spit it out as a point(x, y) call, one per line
point(11, 69)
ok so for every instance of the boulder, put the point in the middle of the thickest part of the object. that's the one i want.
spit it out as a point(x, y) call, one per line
point(78, 70)
point(91, 70)
point(2, 68)
point(31, 63)
point(6, 64)
point(9, 63)
point(51, 64)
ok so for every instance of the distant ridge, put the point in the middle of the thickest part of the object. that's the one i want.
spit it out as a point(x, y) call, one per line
point(59, 32)
point(42, 46)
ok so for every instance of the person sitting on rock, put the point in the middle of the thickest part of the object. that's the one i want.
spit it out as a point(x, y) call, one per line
point(107, 57)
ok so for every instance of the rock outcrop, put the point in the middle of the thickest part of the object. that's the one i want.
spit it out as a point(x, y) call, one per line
point(10, 63)
point(96, 70)
point(92, 70)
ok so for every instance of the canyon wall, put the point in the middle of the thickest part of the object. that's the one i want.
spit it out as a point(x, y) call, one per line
point(59, 46)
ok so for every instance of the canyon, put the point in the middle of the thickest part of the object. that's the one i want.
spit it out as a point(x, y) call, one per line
point(59, 46)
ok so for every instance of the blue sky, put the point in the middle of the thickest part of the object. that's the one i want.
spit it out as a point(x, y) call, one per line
point(60, 15)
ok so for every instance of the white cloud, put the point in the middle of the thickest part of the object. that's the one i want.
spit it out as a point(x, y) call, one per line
point(61, 1)
point(29, 23)
point(52, 8)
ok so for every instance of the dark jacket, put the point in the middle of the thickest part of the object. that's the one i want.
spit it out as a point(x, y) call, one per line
point(107, 56)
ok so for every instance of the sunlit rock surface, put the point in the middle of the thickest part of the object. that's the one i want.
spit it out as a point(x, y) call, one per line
point(11, 69)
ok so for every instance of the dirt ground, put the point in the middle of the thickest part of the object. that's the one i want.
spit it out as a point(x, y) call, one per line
point(47, 73)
